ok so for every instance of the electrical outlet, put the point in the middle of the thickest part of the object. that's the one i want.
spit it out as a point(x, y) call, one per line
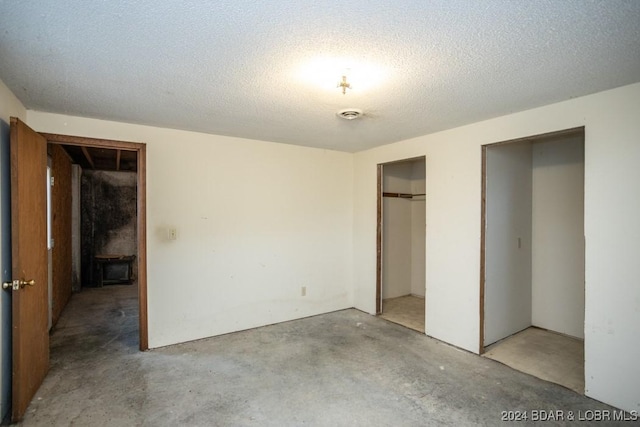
point(303, 291)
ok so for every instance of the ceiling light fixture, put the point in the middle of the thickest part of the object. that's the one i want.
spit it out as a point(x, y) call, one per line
point(344, 85)
point(325, 74)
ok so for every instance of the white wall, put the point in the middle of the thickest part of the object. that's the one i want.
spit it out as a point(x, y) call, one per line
point(9, 106)
point(558, 235)
point(508, 241)
point(612, 231)
point(396, 247)
point(256, 221)
point(453, 209)
point(418, 228)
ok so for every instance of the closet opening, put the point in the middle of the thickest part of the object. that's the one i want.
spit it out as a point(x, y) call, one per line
point(532, 257)
point(400, 290)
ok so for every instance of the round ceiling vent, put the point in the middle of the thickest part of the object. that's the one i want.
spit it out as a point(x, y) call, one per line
point(349, 113)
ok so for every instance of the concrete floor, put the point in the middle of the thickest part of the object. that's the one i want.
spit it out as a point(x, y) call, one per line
point(407, 311)
point(345, 368)
point(545, 354)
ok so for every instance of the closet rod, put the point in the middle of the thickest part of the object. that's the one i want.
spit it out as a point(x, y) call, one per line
point(401, 195)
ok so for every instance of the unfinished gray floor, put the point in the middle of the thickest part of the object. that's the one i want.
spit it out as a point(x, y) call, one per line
point(545, 354)
point(345, 368)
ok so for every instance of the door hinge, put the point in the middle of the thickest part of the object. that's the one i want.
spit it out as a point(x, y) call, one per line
point(53, 181)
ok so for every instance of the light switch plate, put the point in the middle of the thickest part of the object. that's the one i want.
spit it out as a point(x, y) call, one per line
point(172, 233)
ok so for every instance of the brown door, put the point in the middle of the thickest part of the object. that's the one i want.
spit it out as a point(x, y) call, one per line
point(30, 335)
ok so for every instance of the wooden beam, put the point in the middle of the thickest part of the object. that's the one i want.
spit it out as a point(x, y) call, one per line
point(88, 157)
point(117, 160)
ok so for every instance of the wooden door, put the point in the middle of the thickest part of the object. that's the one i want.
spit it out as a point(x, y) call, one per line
point(30, 335)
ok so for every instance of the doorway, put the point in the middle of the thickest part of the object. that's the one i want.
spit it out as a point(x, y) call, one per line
point(401, 243)
point(106, 162)
point(532, 257)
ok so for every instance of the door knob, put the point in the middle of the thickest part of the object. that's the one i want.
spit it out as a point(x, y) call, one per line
point(18, 284)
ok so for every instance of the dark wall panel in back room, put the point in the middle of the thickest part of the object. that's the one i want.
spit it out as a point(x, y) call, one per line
point(108, 218)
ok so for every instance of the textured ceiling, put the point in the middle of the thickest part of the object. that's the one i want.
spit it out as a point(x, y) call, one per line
point(268, 70)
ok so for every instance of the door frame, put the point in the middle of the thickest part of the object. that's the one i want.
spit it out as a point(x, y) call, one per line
point(483, 218)
point(141, 212)
point(380, 171)
point(379, 227)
